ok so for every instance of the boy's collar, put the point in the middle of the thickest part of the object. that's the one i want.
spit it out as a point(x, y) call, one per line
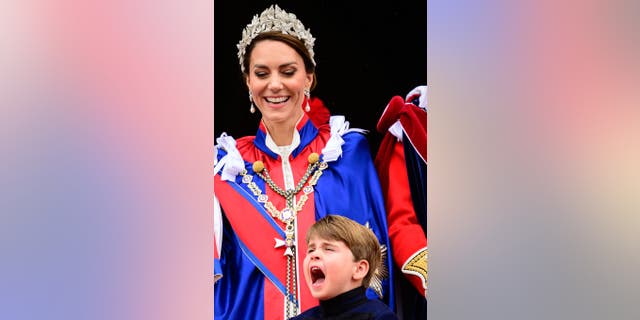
point(343, 302)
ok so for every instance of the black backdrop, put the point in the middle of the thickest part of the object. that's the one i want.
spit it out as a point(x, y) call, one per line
point(365, 54)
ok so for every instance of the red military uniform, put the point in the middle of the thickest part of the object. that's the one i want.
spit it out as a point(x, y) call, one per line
point(401, 163)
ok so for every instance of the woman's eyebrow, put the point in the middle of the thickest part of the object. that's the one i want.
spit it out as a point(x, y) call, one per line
point(281, 66)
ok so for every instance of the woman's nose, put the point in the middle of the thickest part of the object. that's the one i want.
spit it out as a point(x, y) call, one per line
point(275, 83)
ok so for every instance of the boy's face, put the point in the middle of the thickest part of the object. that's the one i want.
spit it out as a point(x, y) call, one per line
point(330, 270)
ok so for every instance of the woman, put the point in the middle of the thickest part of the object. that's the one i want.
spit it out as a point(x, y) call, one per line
point(300, 166)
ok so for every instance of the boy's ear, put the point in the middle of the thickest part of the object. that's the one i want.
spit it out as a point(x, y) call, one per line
point(361, 269)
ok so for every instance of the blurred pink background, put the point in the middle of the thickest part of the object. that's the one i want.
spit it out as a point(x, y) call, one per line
point(107, 139)
point(533, 150)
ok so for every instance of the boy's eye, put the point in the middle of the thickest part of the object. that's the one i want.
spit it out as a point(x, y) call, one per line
point(309, 250)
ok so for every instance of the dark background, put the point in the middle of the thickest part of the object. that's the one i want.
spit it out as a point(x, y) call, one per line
point(365, 54)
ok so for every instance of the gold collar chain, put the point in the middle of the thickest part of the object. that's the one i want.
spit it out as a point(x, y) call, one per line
point(288, 214)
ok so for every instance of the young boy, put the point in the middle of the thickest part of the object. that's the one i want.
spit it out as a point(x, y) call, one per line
point(342, 257)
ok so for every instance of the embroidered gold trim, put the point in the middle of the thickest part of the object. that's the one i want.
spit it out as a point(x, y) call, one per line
point(417, 266)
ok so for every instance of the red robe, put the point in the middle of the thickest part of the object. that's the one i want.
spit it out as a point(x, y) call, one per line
point(401, 163)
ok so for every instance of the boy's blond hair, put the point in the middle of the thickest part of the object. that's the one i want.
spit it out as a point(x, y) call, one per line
point(362, 242)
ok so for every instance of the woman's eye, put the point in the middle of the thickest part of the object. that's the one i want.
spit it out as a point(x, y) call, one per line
point(289, 72)
point(261, 74)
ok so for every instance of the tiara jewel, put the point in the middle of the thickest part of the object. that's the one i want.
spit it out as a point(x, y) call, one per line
point(275, 19)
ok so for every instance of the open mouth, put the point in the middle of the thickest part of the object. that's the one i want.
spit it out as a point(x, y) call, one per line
point(276, 100)
point(317, 276)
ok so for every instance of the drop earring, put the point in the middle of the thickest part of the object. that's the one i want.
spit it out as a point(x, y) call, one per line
point(252, 109)
point(307, 94)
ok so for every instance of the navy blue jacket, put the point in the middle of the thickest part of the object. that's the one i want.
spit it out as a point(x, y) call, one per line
point(352, 305)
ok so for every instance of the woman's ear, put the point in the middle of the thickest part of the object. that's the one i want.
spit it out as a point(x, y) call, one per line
point(361, 269)
point(309, 80)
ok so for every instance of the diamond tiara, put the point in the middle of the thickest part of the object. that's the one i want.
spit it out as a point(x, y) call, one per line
point(275, 19)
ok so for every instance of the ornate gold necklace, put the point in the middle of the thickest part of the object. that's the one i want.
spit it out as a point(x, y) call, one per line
point(288, 214)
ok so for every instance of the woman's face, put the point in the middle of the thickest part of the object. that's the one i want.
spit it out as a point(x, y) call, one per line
point(277, 79)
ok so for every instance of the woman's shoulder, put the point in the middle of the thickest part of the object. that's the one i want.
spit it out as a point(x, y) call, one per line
point(355, 136)
point(351, 136)
point(228, 147)
point(244, 141)
point(226, 141)
point(355, 142)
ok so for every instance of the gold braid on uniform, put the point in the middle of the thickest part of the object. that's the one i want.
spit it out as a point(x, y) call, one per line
point(417, 265)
